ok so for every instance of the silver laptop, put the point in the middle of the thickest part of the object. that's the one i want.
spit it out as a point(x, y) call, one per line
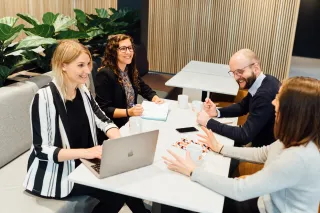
point(124, 154)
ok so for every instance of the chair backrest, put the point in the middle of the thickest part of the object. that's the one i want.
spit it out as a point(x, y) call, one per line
point(15, 130)
point(241, 94)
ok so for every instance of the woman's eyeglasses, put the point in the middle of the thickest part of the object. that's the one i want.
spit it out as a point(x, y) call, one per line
point(124, 49)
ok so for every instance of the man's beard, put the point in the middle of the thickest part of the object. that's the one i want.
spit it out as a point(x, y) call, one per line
point(249, 81)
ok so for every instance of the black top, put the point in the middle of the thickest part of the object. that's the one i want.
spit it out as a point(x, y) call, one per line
point(111, 95)
point(258, 128)
point(78, 125)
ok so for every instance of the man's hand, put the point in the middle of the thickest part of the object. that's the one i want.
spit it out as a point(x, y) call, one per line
point(203, 118)
point(210, 108)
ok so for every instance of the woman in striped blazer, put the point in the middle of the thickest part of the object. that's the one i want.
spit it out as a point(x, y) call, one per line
point(64, 117)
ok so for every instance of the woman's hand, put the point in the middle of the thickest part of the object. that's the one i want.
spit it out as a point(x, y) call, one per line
point(113, 133)
point(183, 166)
point(210, 140)
point(136, 110)
point(157, 100)
point(91, 153)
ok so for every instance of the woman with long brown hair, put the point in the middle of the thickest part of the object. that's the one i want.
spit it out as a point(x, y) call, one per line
point(290, 178)
point(118, 82)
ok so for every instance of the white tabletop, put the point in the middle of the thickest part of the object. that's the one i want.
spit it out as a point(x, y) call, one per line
point(207, 68)
point(157, 183)
point(205, 82)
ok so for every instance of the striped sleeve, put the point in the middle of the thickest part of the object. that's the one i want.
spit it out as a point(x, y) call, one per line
point(42, 132)
point(103, 122)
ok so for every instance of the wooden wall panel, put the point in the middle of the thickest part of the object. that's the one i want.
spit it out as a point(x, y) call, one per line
point(212, 30)
point(90, 5)
point(38, 7)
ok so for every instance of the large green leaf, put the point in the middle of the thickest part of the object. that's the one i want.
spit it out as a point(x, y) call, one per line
point(95, 22)
point(29, 18)
point(71, 34)
point(113, 10)
point(8, 41)
point(9, 21)
point(95, 32)
point(63, 23)
point(102, 13)
point(80, 16)
point(43, 30)
point(26, 58)
point(49, 18)
point(6, 32)
point(4, 73)
point(35, 41)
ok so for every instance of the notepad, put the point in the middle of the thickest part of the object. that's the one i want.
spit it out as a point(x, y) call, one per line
point(153, 111)
point(224, 120)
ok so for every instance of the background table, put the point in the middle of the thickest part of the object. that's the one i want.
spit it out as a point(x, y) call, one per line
point(155, 182)
point(207, 68)
point(199, 76)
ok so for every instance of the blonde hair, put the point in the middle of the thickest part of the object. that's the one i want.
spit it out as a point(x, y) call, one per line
point(66, 52)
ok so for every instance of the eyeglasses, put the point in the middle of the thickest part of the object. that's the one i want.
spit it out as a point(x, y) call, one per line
point(124, 49)
point(239, 72)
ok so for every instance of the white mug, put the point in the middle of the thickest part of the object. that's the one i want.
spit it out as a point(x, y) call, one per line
point(183, 101)
point(195, 152)
point(135, 124)
point(197, 106)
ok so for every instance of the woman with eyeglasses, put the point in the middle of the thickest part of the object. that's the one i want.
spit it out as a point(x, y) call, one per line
point(290, 178)
point(118, 82)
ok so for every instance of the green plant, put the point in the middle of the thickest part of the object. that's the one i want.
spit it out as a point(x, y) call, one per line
point(8, 62)
point(99, 26)
point(54, 27)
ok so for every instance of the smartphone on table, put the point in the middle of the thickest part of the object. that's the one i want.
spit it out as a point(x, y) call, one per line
point(187, 129)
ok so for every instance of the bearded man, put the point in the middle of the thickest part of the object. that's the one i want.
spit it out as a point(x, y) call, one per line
point(262, 89)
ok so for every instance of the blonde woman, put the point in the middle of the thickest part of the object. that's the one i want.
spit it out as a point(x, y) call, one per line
point(64, 117)
point(290, 179)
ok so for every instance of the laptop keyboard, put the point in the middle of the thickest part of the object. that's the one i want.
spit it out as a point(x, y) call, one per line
point(96, 164)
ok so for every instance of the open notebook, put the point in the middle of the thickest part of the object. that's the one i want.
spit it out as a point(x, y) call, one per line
point(153, 111)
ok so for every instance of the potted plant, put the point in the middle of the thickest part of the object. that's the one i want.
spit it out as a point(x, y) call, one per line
point(9, 61)
point(53, 27)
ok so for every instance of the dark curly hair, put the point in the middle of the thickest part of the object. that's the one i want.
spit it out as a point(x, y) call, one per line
point(110, 59)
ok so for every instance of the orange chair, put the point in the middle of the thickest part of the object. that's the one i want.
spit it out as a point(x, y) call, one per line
point(241, 94)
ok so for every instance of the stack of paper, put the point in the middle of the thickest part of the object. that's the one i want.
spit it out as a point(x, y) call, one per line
point(153, 111)
point(224, 120)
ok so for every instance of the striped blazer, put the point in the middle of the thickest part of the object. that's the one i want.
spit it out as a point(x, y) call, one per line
point(50, 132)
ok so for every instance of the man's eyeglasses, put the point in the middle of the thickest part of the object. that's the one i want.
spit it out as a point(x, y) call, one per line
point(124, 49)
point(239, 72)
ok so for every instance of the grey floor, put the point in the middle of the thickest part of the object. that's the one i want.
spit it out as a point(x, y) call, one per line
point(308, 67)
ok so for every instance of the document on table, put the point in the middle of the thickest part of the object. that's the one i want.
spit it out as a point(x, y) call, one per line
point(224, 120)
point(153, 111)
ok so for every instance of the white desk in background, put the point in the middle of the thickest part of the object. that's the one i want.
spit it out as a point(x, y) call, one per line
point(198, 76)
point(207, 68)
point(155, 182)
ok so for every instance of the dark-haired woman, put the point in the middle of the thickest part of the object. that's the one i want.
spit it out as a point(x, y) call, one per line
point(290, 178)
point(118, 82)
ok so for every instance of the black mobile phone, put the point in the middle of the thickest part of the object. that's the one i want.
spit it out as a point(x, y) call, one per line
point(187, 129)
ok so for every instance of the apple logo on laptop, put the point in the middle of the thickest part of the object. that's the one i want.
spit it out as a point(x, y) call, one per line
point(130, 154)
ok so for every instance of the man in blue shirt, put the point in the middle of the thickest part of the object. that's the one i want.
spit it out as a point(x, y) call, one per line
point(262, 89)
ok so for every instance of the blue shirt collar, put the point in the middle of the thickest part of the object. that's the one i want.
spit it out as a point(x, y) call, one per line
point(253, 89)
